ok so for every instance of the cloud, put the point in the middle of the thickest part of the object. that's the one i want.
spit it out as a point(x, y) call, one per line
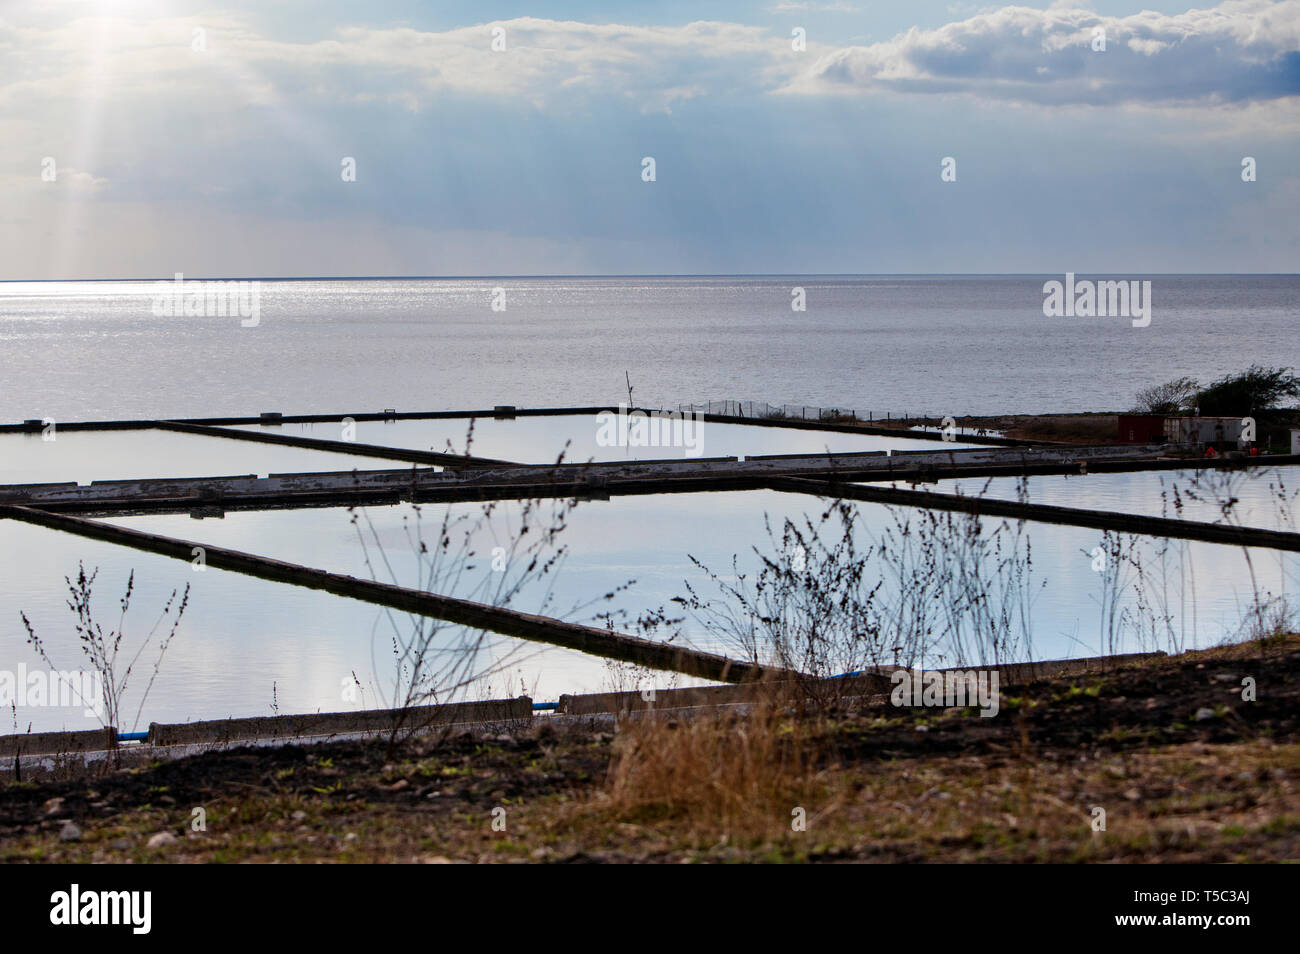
point(1240, 51)
point(662, 101)
point(543, 60)
point(805, 6)
point(81, 181)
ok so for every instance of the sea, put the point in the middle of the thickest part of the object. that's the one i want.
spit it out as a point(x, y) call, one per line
point(935, 345)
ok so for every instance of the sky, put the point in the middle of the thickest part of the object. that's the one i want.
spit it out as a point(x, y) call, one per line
point(142, 139)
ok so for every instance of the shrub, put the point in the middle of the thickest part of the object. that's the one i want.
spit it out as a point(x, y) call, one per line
point(1256, 389)
point(1173, 397)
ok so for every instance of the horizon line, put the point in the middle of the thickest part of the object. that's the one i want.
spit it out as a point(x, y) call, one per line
point(565, 275)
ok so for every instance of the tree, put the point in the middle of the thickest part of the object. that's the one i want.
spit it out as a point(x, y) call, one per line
point(1256, 389)
point(1173, 397)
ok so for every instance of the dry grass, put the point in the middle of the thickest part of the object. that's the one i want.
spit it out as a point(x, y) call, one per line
point(727, 773)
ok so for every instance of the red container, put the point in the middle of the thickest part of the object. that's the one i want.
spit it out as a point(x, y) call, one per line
point(1141, 428)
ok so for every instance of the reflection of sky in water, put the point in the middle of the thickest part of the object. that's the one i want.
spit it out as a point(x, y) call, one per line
point(243, 636)
point(1259, 494)
point(84, 456)
point(540, 440)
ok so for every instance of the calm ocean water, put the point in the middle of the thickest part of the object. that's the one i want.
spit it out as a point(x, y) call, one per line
point(938, 345)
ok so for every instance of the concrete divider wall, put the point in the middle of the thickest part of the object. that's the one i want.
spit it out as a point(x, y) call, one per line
point(863, 684)
point(57, 743)
point(866, 685)
point(1016, 673)
point(338, 723)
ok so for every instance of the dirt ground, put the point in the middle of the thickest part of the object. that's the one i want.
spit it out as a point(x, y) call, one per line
point(1160, 761)
point(1070, 428)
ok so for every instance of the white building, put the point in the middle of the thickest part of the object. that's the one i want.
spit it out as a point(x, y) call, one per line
point(1203, 430)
